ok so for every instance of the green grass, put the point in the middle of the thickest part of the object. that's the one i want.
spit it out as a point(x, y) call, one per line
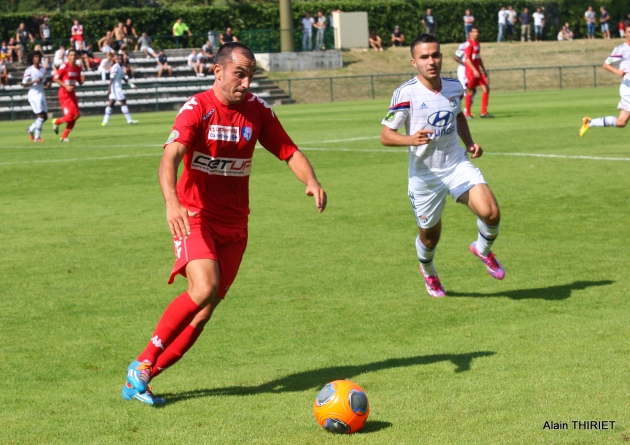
point(86, 256)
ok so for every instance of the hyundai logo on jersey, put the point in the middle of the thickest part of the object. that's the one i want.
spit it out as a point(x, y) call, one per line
point(247, 133)
point(441, 118)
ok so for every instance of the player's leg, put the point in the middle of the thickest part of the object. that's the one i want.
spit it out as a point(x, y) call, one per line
point(108, 111)
point(69, 127)
point(125, 109)
point(35, 129)
point(609, 121)
point(470, 93)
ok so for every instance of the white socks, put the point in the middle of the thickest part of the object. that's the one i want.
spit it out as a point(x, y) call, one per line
point(36, 127)
point(487, 235)
point(125, 110)
point(426, 258)
point(108, 113)
point(608, 121)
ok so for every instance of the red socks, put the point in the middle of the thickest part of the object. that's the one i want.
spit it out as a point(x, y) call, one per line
point(68, 129)
point(176, 349)
point(175, 319)
point(484, 103)
point(468, 104)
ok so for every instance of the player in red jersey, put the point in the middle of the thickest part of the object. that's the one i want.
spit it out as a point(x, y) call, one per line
point(215, 134)
point(476, 75)
point(68, 76)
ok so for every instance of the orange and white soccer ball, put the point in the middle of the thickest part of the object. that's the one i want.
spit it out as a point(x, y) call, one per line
point(341, 407)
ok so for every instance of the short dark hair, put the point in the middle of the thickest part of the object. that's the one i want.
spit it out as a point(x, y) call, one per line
point(422, 38)
point(224, 54)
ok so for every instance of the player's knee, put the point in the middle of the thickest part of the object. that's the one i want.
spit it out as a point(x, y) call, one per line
point(44, 116)
point(203, 293)
point(491, 215)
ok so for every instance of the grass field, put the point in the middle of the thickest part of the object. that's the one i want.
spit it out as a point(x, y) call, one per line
point(320, 297)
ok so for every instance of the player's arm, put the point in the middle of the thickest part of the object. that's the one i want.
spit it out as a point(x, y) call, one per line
point(611, 68)
point(458, 59)
point(391, 137)
point(303, 170)
point(470, 65)
point(464, 133)
point(176, 214)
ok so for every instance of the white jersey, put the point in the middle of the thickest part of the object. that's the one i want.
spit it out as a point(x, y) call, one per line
point(419, 108)
point(30, 74)
point(461, 69)
point(620, 57)
point(116, 74)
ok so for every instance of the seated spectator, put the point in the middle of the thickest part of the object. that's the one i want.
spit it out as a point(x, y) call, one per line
point(88, 59)
point(119, 36)
point(106, 44)
point(105, 66)
point(22, 37)
point(130, 34)
point(163, 64)
point(207, 47)
point(227, 36)
point(123, 60)
point(13, 48)
point(194, 64)
point(565, 33)
point(76, 36)
point(375, 41)
point(398, 38)
point(145, 46)
point(4, 75)
point(4, 51)
point(60, 57)
point(206, 61)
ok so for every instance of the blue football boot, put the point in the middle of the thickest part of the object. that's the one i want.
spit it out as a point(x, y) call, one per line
point(139, 375)
point(130, 393)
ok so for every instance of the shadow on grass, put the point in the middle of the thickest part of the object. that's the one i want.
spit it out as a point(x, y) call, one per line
point(317, 378)
point(372, 426)
point(561, 292)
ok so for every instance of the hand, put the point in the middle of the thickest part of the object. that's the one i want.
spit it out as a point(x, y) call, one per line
point(421, 137)
point(477, 74)
point(177, 218)
point(314, 188)
point(69, 88)
point(623, 72)
point(475, 149)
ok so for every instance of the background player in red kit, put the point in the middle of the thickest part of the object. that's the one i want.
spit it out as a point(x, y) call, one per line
point(68, 76)
point(215, 134)
point(476, 74)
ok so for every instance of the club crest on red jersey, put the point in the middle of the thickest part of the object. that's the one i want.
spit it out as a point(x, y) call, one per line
point(247, 133)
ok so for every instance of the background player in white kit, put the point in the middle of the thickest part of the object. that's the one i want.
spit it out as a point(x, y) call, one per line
point(460, 58)
point(34, 78)
point(429, 107)
point(116, 93)
point(621, 57)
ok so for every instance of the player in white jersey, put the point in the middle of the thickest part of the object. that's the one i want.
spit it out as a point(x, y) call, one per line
point(429, 107)
point(460, 58)
point(620, 57)
point(116, 93)
point(35, 78)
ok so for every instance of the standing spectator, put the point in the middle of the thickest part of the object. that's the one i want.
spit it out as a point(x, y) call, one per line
point(119, 37)
point(307, 32)
point(45, 35)
point(398, 38)
point(525, 26)
point(145, 46)
point(320, 24)
point(510, 23)
point(106, 44)
point(227, 36)
point(163, 64)
point(469, 22)
point(622, 30)
point(194, 64)
point(502, 24)
point(181, 33)
point(130, 34)
point(4, 76)
point(429, 22)
point(604, 21)
point(375, 41)
point(105, 66)
point(589, 15)
point(22, 37)
point(539, 24)
point(76, 35)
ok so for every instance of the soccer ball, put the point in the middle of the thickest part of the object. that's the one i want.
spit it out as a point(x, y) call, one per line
point(341, 407)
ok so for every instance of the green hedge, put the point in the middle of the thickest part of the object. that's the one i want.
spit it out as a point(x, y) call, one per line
point(382, 14)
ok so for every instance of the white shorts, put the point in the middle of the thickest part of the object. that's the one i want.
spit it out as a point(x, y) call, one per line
point(428, 202)
point(461, 76)
point(624, 92)
point(38, 103)
point(117, 93)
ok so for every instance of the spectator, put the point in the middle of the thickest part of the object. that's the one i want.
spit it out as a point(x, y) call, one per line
point(43, 60)
point(4, 76)
point(510, 24)
point(45, 35)
point(88, 59)
point(429, 22)
point(502, 24)
point(125, 63)
point(130, 34)
point(194, 64)
point(227, 36)
point(105, 66)
point(163, 64)
point(307, 32)
point(145, 46)
point(525, 26)
point(622, 29)
point(398, 38)
point(181, 33)
point(22, 37)
point(469, 22)
point(76, 35)
point(320, 24)
point(539, 24)
point(604, 21)
point(106, 44)
point(565, 33)
point(60, 56)
point(118, 34)
point(589, 15)
point(207, 48)
point(206, 61)
point(4, 51)
point(14, 48)
point(375, 41)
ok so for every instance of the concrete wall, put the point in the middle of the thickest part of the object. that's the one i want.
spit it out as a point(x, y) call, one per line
point(351, 30)
point(302, 61)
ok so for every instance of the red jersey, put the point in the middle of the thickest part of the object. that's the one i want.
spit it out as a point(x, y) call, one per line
point(68, 75)
point(220, 142)
point(472, 53)
point(76, 32)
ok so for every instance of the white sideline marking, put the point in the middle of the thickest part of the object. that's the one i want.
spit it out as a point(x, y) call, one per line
point(42, 161)
point(342, 140)
point(540, 155)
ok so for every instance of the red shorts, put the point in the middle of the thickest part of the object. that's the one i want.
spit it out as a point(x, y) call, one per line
point(473, 82)
point(225, 245)
point(69, 104)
